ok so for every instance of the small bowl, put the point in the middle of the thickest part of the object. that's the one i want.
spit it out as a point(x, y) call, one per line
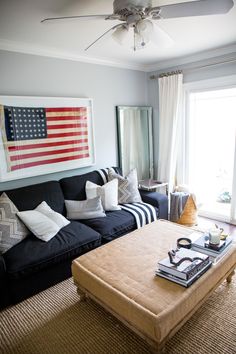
point(184, 242)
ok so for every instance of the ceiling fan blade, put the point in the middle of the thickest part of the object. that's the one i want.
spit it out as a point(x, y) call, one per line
point(160, 37)
point(110, 29)
point(86, 17)
point(196, 8)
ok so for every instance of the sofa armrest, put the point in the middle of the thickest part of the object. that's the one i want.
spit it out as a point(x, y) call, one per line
point(158, 200)
point(2, 267)
point(3, 284)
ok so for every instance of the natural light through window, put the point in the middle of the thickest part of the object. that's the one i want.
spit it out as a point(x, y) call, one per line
point(212, 148)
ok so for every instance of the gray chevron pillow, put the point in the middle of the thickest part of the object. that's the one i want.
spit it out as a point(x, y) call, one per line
point(127, 186)
point(12, 229)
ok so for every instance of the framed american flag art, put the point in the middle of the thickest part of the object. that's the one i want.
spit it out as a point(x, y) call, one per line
point(41, 135)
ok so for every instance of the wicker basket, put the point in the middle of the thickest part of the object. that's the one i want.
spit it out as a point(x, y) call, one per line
point(189, 215)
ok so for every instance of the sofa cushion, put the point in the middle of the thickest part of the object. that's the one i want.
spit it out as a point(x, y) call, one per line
point(74, 187)
point(115, 224)
point(32, 254)
point(28, 198)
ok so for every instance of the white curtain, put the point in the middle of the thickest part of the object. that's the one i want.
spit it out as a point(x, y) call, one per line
point(171, 125)
point(233, 201)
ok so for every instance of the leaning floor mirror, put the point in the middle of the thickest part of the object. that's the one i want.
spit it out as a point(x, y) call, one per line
point(135, 140)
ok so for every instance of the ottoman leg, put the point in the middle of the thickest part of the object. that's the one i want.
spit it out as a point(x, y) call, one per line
point(82, 295)
point(229, 277)
point(158, 350)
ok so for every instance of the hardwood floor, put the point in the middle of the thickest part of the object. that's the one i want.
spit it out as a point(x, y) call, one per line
point(206, 223)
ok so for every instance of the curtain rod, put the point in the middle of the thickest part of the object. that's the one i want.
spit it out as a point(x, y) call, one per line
point(153, 77)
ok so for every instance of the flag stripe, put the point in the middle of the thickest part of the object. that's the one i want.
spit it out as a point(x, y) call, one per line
point(45, 153)
point(45, 162)
point(66, 109)
point(51, 118)
point(46, 145)
point(42, 158)
point(61, 135)
point(66, 130)
point(79, 115)
point(66, 126)
point(51, 148)
point(66, 121)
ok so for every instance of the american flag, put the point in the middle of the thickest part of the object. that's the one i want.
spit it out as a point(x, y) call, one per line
point(40, 136)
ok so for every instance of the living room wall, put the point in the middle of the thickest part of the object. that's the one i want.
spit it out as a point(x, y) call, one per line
point(31, 75)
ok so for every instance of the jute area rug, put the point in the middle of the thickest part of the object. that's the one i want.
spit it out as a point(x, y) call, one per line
point(54, 321)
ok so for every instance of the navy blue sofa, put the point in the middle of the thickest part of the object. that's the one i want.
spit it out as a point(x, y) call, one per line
point(33, 265)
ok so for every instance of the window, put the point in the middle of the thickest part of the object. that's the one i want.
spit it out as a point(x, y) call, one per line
point(211, 130)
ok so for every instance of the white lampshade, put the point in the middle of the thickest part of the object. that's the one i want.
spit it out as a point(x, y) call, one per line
point(144, 28)
point(120, 34)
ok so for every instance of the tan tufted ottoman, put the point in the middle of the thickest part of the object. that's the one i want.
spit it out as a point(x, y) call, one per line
point(120, 276)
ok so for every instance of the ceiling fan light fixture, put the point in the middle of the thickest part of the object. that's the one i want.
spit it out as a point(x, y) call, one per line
point(139, 42)
point(137, 15)
point(143, 30)
point(144, 27)
point(120, 34)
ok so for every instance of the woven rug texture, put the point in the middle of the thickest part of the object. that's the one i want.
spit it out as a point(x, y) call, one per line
point(54, 321)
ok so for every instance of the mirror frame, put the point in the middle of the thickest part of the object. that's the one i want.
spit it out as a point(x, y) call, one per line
point(148, 109)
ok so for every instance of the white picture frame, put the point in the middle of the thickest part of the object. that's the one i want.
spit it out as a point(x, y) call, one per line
point(9, 172)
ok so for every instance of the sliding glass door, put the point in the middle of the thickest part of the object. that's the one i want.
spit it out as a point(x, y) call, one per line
point(211, 122)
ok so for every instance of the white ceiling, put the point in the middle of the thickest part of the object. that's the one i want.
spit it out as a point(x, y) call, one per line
point(21, 30)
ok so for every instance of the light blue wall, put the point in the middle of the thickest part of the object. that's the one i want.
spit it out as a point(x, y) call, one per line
point(30, 75)
point(192, 72)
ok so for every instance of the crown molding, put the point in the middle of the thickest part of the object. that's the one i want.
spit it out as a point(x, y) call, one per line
point(204, 55)
point(25, 48)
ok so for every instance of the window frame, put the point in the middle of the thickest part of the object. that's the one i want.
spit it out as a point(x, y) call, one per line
point(213, 84)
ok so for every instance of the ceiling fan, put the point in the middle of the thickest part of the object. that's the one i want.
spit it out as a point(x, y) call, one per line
point(139, 15)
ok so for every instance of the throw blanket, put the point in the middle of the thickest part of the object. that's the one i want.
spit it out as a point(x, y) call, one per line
point(143, 213)
point(178, 201)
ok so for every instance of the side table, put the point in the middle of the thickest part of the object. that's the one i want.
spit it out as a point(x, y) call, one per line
point(152, 184)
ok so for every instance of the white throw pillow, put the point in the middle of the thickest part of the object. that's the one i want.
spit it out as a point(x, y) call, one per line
point(43, 222)
point(59, 219)
point(39, 224)
point(84, 209)
point(108, 193)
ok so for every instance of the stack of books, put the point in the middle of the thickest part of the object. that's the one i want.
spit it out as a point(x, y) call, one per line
point(215, 252)
point(188, 271)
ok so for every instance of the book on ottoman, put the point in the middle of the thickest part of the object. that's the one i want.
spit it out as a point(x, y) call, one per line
point(188, 268)
point(202, 245)
point(185, 283)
